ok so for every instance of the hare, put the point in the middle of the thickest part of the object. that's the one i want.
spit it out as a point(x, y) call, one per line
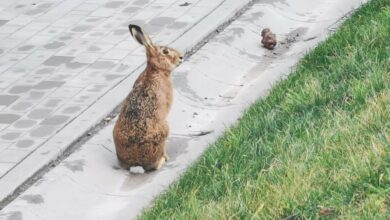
point(269, 39)
point(141, 130)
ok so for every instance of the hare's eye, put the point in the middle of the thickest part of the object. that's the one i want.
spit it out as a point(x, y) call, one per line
point(165, 51)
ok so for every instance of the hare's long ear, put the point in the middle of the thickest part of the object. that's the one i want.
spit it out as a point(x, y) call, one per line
point(140, 36)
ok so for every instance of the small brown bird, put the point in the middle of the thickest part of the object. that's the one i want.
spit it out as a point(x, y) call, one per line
point(269, 39)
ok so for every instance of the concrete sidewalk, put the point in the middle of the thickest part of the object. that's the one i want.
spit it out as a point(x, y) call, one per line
point(211, 90)
point(66, 64)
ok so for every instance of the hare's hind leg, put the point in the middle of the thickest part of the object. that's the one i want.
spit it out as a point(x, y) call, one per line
point(156, 165)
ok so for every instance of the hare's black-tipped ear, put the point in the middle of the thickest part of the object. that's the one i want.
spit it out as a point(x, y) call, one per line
point(140, 35)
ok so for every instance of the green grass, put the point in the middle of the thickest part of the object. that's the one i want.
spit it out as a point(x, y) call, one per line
point(321, 139)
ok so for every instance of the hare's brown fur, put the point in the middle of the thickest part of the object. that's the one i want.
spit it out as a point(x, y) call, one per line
point(142, 129)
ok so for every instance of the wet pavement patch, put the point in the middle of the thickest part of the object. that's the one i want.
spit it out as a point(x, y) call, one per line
point(75, 165)
point(141, 2)
point(110, 77)
point(2, 22)
point(121, 32)
point(20, 89)
point(8, 118)
point(35, 95)
point(26, 123)
point(7, 99)
point(130, 9)
point(26, 47)
point(10, 136)
point(177, 25)
point(102, 65)
point(57, 60)
point(71, 109)
point(48, 85)
point(55, 120)
point(53, 103)
point(33, 199)
point(82, 28)
point(25, 143)
point(42, 131)
point(45, 70)
point(113, 4)
point(162, 21)
point(39, 113)
point(54, 45)
point(21, 106)
point(14, 215)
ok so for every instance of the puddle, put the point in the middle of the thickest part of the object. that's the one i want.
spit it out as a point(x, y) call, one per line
point(75, 165)
point(33, 199)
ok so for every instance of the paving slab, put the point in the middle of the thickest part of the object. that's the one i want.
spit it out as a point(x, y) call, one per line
point(212, 89)
point(64, 65)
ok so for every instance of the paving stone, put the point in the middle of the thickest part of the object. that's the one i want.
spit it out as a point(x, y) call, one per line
point(7, 99)
point(5, 167)
point(8, 118)
point(22, 106)
point(43, 131)
point(39, 113)
point(24, 124)
point(10, 135)
point(55, 120)
point(12, 155)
